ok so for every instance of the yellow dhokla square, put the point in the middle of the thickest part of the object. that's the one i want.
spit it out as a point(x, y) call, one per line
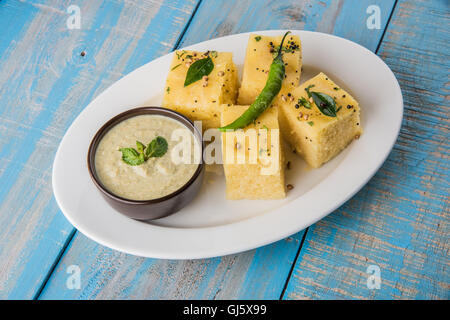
point(259, 57)
point(253, 158)
point(197, 101)
point(314, 135)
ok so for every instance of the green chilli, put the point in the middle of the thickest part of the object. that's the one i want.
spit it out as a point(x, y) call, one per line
point(265, 98)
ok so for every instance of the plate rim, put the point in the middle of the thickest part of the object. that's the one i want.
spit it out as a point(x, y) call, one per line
point(277, 234)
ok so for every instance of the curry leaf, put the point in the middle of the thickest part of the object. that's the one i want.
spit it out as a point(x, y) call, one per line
point(325, 103)
point(307, 90)
point(198, 69)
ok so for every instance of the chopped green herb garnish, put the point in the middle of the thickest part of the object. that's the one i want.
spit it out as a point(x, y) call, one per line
point(311, 123)
point(305, 103)
point(168, 89)
point(284, 49)
point(176, 66)
point(265, 127)
point(257, 38)
point(179, 55)
point(214, 54)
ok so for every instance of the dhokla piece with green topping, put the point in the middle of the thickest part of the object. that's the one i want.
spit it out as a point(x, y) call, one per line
point(253, 158)
point(319, 119)
point(261, 51)
point(202, 99)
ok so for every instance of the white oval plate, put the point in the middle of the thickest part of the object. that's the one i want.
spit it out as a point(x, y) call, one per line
point(211, 225)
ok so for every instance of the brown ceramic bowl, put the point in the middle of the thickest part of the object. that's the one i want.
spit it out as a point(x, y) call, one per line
point(155, 208)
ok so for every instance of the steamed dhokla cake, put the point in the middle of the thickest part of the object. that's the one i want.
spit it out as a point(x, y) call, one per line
point(201, 100)
point(253, 158)
point(259, 56)
point(316, 134)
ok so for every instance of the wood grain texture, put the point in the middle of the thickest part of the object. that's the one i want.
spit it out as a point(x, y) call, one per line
point(258, 274)
point(44, 84)
point(108, 274)
point(339, 17)
point(400, 220)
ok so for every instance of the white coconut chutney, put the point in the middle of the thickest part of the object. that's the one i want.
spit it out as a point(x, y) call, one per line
point(156, 177)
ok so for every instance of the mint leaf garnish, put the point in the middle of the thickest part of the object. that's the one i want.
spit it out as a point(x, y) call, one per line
point(131, 156)
point(140, 147)
point(156, 148)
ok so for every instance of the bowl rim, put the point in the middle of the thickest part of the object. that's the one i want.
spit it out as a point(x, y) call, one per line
point(149, 110)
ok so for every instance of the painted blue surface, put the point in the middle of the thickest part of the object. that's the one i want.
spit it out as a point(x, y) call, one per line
point(48, 85)
point(399, 221)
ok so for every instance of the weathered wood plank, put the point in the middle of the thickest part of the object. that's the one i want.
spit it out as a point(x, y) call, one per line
point(260, 273)
point(108, 274)
point(400, 220)
point(338, 17)
point(44, 84)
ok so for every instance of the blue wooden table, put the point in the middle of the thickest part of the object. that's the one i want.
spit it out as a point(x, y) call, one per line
point(391, 240)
